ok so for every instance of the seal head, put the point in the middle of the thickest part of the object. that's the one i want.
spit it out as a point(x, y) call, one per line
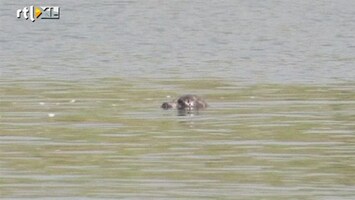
point(186, 102)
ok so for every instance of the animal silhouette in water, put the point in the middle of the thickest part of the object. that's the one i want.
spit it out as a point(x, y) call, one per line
point(186, 102)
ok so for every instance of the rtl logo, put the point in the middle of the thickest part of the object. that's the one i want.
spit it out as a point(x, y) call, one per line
point(42, 12)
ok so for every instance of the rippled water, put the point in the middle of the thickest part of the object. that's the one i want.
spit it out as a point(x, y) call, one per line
point(80, 97)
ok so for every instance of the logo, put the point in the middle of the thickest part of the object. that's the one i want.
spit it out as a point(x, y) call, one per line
point(36, 12)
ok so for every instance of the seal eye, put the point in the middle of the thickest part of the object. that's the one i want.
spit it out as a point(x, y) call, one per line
point(181, 102)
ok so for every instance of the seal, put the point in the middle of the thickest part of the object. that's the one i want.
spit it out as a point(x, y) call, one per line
point(186, 102)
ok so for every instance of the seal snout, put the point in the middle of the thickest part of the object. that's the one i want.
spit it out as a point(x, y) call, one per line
point(166, 106)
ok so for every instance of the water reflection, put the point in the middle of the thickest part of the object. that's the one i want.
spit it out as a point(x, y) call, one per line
point(189, 112)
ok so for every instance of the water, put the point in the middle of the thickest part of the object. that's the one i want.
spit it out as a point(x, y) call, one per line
point(80, 97)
